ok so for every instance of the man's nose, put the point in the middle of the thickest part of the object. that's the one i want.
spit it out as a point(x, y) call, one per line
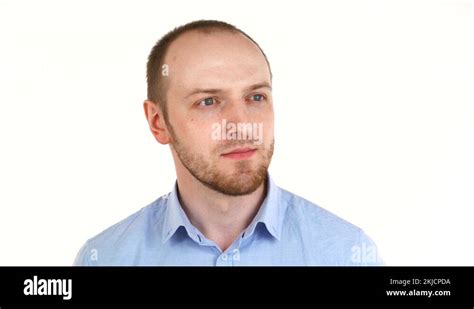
point(236, 111)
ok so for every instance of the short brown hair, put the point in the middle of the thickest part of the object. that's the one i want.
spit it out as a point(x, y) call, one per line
point(155, 83)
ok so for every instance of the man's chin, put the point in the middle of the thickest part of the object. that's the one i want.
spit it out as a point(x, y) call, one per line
point(235, 189)
point(240, 183)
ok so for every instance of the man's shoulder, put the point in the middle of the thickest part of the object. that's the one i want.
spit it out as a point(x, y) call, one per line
point(313, 215)
point(123, 235)
point(333, 239)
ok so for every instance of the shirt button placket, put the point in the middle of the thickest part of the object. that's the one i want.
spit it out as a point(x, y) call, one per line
point(235, 257)
point(224, 259)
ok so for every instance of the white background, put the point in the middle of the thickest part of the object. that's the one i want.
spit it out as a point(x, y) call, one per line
point(374, 118)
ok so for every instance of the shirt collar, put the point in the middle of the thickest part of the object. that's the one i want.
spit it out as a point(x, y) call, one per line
point(270, 215)
point(175, 217)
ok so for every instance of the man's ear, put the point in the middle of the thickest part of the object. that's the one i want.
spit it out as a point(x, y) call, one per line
point(156, 122)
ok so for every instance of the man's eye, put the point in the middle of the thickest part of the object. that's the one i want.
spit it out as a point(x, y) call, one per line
point(207, 102)
point(257, 97)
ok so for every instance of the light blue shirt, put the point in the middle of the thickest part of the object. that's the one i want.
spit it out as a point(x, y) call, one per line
point(287, 231)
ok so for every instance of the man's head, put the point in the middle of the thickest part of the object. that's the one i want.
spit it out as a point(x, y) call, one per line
point(209, 96)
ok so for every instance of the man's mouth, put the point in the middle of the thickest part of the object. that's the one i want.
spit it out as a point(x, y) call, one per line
point(240, 153)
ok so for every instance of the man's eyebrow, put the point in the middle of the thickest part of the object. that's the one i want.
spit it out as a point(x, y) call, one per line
point(203, 90)
point(216, 90)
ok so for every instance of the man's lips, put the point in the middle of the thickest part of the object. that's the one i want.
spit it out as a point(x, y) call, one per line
point(240, 153)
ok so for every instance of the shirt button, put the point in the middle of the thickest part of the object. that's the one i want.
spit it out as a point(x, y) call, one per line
point(224, 257)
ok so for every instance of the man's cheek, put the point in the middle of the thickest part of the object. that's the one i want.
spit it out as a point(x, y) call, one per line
point(268, 135)
point(202, 143)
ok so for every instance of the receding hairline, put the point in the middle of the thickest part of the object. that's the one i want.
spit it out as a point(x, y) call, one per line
point(178, 39)
point(210, 32)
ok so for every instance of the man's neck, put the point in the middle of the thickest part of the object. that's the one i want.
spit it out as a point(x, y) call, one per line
point(221, 218)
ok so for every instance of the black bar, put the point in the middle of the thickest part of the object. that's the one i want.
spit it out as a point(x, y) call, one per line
point(241, 285)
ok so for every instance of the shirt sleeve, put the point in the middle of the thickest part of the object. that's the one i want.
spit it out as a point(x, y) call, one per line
point(83, 256)
point(365, 252)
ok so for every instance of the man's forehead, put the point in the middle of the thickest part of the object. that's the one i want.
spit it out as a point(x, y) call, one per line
point(219, 60)
point(199, 41)
point(208, 51)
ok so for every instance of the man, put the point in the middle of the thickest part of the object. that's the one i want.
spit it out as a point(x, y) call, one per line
point(210, 99)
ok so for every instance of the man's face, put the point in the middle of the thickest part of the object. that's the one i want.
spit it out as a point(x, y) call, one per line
point(220, 111)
